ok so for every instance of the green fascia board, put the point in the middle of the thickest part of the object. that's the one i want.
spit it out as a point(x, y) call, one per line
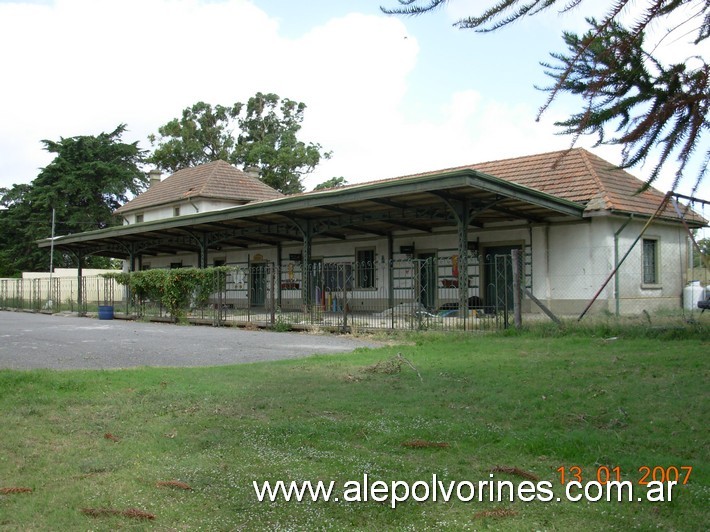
point(490, 183)
point(336, 196)
point(695, 224)
point(428, 183)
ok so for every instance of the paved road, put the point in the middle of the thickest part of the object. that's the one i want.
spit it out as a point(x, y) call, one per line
point(67, 342)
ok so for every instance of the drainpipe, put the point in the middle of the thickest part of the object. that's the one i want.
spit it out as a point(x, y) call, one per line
point(548, 282)
point(616, 263)
point(532, 271)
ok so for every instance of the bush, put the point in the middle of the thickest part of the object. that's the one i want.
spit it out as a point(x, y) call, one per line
point(177, 289)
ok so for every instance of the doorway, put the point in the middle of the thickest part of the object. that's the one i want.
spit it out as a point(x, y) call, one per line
point(258, 285)
point(426, 279)
point(316, 294)
point(498, 278)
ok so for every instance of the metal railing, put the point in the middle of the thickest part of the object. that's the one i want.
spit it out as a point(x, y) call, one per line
point(475, 292)
point(413, 294)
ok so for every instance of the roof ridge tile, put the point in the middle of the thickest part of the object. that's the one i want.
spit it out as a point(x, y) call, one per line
point(604, 193)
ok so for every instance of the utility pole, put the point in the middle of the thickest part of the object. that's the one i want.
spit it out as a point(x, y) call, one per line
point(51, 248)
point(50, 301)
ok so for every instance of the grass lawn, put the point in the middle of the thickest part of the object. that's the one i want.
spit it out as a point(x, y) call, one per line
point(103, 441)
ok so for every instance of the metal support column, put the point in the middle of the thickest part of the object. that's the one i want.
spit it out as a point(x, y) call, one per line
point(462, 212)
point(463, 219)
point(307, 231)
point(515, 257)
point(279, 259)
point(204, 258)
point(390, 276)
point(131, 268)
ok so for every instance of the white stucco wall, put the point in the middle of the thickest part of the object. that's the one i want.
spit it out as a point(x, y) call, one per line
point(672, 258)
point(567, 263)
point(577, 262)
point(186, 207)
point(578, 259)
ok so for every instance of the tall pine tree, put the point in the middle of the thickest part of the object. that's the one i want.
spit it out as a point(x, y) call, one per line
point(88, 179)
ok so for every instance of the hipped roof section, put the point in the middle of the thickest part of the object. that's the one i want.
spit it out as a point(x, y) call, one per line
point(580, 176)
point(215, 180)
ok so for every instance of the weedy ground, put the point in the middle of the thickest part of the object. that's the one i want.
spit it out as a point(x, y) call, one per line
point(178, 449)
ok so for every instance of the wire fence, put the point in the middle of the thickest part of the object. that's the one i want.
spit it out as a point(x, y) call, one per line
point(406, 294)
point(59, 294)
point(475, 292)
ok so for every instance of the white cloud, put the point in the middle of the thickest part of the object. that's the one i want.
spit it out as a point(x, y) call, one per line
point(78, 67)
point(82, 67)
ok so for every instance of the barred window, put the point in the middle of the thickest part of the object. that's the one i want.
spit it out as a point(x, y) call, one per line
point(650, 261)
point(365, 268)
point(337, 276)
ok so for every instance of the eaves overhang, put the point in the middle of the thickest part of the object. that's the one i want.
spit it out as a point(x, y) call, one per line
point(371, 206)
point(693, 220)
point(428, 183)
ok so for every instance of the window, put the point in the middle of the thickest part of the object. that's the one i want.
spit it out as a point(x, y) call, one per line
point(219, 262)
point(336, 276)
point(365, 268)
point(650, 261)
point(176, 211)
point(139, 218)
point(175, 265)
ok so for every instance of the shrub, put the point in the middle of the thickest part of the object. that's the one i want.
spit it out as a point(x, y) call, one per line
point(177, 289)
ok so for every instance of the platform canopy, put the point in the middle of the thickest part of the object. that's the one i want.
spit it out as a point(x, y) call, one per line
point(463, 199)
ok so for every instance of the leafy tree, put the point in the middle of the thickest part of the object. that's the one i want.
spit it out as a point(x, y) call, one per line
point(702, 259)
point(333, 182)
point(630, 97)
point(266, 138)
point(88, 179)
point(201, 135)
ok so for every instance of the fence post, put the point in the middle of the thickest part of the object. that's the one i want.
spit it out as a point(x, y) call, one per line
point(273, 294)
point(345, 300)
point(515, 257)
point(220, 297)
point(55, 295)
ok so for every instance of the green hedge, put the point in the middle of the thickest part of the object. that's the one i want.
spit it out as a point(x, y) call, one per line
point(175, 289)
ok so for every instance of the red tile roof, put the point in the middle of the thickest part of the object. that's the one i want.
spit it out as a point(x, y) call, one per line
point(215, 180)
point(575, 175)
point(583, 177)
point(580, 176)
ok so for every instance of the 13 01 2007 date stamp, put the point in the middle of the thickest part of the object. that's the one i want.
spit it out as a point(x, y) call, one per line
point(604, 474)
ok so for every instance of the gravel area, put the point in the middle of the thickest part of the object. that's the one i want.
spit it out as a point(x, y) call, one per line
point(29, 341)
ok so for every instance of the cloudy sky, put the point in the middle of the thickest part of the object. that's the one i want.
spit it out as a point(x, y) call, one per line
point(387, 95)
